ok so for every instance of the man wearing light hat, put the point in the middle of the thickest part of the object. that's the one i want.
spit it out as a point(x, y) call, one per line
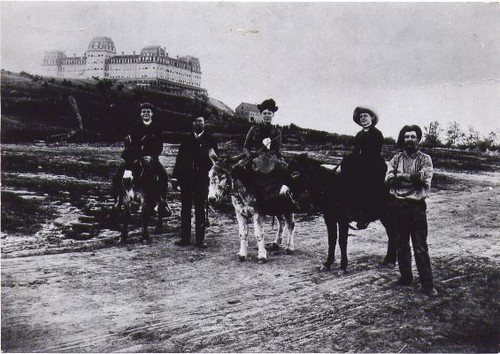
point(409, 179)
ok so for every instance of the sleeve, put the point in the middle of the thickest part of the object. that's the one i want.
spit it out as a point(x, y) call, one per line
point(179, 162)
point(157, 144)
point(425, 172)
point(277, 141)
point(376, 141)
point(391, 170)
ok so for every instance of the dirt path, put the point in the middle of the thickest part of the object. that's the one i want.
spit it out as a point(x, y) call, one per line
point(162, 298)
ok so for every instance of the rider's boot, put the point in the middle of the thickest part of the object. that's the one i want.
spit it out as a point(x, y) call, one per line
point(164, 209)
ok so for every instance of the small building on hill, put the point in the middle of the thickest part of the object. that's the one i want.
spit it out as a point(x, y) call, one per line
point(248, 111)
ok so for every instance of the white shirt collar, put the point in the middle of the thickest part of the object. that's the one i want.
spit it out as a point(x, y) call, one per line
point(197, 136)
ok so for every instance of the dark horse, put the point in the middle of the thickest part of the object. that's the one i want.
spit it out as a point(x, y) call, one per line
point(140, 185)
point(323, 189)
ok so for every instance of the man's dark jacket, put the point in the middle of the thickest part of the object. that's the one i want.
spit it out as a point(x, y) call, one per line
point(193, 163)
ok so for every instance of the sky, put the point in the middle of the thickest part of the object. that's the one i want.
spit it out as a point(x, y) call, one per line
point(412, 63)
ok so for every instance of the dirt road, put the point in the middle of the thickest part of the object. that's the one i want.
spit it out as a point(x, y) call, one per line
point(162, 298)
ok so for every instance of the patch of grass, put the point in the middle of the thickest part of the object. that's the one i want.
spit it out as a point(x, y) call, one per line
point(21, 215)
point(442, 181)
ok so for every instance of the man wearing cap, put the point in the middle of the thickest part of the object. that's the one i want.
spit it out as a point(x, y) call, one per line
point(409, 178)
point(197, 153)
point(363, 171)
point(145, 141)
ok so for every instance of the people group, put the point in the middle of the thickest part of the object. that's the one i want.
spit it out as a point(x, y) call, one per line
point(364, 172)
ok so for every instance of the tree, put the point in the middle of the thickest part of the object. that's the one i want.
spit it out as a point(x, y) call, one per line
point(488, 142)
point(432, 134)
point(104, 85)
point(454, 135)
point(472, 138)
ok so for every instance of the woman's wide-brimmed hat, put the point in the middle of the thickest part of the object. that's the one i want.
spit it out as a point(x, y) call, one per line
point(359, 110)
point(267, 104)
point(406, 129)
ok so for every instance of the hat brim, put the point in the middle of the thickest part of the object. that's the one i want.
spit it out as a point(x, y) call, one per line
point(359, 110)
point(408, 128)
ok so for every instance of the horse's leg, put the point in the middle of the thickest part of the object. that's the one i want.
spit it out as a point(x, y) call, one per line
point(243, 233)
point(331, 227)
point(279, 235)
point(159, 221)
point(125, 222)
point(390, 257)
point(145, 218)
point(258, 220)
point(343, 235)
point(290, 226)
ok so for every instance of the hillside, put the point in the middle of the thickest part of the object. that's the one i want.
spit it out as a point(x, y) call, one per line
point(38, 108)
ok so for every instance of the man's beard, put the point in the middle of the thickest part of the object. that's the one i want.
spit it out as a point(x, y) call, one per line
point(411, 147)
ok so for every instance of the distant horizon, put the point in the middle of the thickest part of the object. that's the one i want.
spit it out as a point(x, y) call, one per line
point(413, 63)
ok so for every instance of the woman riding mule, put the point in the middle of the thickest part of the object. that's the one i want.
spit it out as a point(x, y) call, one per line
point(263, 169)
point(363, 171)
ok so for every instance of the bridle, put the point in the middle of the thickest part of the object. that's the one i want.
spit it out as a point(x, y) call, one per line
point(229, 186)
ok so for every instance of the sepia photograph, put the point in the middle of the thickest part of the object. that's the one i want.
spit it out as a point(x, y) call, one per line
point(270, 177)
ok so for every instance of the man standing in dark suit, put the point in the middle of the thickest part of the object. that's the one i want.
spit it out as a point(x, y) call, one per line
point(195, 158)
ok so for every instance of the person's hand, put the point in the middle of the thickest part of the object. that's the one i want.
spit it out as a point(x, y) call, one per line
point(175, 184)
point(148, 159)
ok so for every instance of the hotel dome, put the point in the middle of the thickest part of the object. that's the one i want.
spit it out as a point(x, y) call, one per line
point(153, 51)
point(102, 43)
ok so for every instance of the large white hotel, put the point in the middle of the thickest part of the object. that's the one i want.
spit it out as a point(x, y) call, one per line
point(153, 67)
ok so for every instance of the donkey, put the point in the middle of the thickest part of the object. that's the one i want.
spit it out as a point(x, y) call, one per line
point(226, 185)
point(139, 185)
point(324, 189)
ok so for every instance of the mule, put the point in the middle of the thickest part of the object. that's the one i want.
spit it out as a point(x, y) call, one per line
point(324, 190)
point(226, 185)
point(140, 186)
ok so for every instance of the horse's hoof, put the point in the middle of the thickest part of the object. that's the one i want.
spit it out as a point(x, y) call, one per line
point(275, 246)
point(342, 272)
point(262, 260)
point(242, 258)
point(289, 251)
point(388, 265)
point(123, 240)
point(324, 268)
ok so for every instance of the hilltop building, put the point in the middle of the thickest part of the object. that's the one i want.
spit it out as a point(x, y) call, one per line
point(249, 111)
point(153, 67)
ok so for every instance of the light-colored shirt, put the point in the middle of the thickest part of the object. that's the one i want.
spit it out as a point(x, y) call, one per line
point(419, 165)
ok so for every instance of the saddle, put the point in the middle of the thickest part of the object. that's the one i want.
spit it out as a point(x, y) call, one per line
point(263, 177)
point(268, 163)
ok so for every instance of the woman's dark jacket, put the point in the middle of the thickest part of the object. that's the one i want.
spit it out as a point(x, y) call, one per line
point(145, 140)
point(368, 144)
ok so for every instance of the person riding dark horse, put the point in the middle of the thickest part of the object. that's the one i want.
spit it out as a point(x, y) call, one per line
point(363, 171)
point(262, 168)
point(145, 142)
